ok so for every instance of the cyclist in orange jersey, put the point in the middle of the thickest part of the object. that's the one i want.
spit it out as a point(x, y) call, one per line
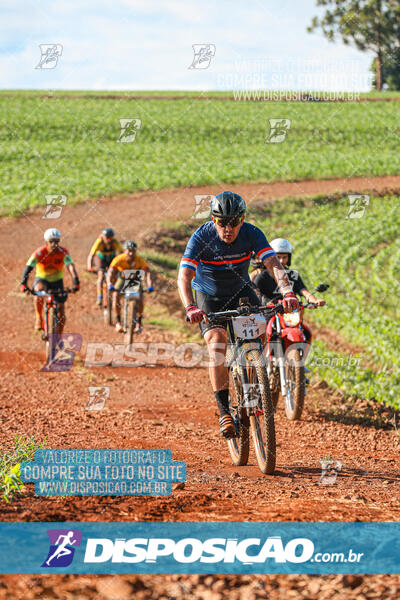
point(49, 261)
point(126, 261)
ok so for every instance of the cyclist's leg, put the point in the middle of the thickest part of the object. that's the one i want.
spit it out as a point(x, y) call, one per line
point(99, 265)
point(38, 285)
point(140, 305)
point(117, 300)
point(216, 339)
point(139, 315)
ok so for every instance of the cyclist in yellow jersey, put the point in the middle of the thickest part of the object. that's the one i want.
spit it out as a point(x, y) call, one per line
point(49, 261)
point(128, 260)
point(104, 249)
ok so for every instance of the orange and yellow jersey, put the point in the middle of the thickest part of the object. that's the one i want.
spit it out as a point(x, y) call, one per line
point(121, 263)
point(49, 265)
point(102, 250)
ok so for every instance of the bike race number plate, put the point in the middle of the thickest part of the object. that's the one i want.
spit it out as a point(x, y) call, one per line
point(248, 328)
point(132, 279)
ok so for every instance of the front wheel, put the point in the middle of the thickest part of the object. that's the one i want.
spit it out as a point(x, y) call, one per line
point(51, 337)
point(130, 322)
point(262, 423)
point(296, 384)
point(107, 305)
point(238, 446)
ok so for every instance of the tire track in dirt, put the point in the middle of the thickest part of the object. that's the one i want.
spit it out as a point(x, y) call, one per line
point(174, 408)
point(177, 409)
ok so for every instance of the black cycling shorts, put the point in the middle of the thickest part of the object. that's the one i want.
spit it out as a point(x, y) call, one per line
point(51, 286)
point(103, 262)
point(219, 303)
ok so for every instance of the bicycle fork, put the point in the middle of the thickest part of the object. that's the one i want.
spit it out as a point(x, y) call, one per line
point(278, 359)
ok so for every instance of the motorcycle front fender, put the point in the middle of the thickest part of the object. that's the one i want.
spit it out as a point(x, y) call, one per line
point(292, 334)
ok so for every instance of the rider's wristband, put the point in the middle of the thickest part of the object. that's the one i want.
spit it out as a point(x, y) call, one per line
point(190, 306)
point(286, 290)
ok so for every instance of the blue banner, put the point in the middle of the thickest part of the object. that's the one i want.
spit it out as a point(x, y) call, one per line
point(286, 548)
point(103, 472)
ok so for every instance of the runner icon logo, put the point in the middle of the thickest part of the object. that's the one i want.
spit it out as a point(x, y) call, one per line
point(278, 130)
point(203, 53)
point(357, 206)
point(203, 206)
point(50, 54)
point(62, 547)
point(66, 345)
point(97, 397)
point(54, 205)
point(129, 129)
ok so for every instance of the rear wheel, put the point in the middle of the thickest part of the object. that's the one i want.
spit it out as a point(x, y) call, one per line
point(238, 446)
point(295, 377)
point(262, 423)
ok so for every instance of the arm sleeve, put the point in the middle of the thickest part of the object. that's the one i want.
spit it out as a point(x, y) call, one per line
point(68, 260)
point(261, 245)
point(192, 253)
point(32, 261)
point(25, 274)
point(95, 246)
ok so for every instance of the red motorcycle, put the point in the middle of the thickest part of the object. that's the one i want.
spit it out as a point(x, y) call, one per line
point(287, 346)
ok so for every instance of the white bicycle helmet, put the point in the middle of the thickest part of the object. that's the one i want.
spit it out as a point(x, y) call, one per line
point(52, 234)
point(282, 246)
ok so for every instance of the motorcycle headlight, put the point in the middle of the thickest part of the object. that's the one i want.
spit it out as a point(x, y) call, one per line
point(292, 319)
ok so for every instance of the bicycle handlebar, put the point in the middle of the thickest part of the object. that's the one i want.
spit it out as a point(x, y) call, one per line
point(43, 293)
point(267, 311)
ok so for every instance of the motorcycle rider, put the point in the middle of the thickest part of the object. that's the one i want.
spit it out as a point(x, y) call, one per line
point(267, 285)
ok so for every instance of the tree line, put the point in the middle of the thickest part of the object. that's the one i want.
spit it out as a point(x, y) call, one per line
point(369, 25)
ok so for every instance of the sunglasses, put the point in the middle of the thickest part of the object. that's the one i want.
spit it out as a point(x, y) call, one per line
point(224, 222)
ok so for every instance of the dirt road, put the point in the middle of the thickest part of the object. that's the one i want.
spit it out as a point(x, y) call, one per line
point(171, 407)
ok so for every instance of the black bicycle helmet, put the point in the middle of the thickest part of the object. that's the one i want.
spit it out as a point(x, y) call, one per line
point(129, 245)
point(227, 205)
point(108, 232)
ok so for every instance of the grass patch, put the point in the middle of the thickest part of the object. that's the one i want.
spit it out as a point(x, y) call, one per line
point(360, 259)
point(161, 260)
point(10, 465)
point(70, 146)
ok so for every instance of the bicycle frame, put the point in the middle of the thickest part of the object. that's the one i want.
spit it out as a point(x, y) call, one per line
point(240, 346)
point(132, 291)
point(51, 300)
point(239, 357)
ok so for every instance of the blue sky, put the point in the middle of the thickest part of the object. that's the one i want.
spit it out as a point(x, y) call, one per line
point(147, 45)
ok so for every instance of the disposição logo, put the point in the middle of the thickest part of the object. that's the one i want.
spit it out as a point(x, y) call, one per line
point(62, 547)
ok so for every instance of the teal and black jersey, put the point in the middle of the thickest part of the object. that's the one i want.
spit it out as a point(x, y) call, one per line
point(222, 269)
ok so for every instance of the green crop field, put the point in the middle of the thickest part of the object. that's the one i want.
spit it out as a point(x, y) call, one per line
point(70, 145)
point(360, 259)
